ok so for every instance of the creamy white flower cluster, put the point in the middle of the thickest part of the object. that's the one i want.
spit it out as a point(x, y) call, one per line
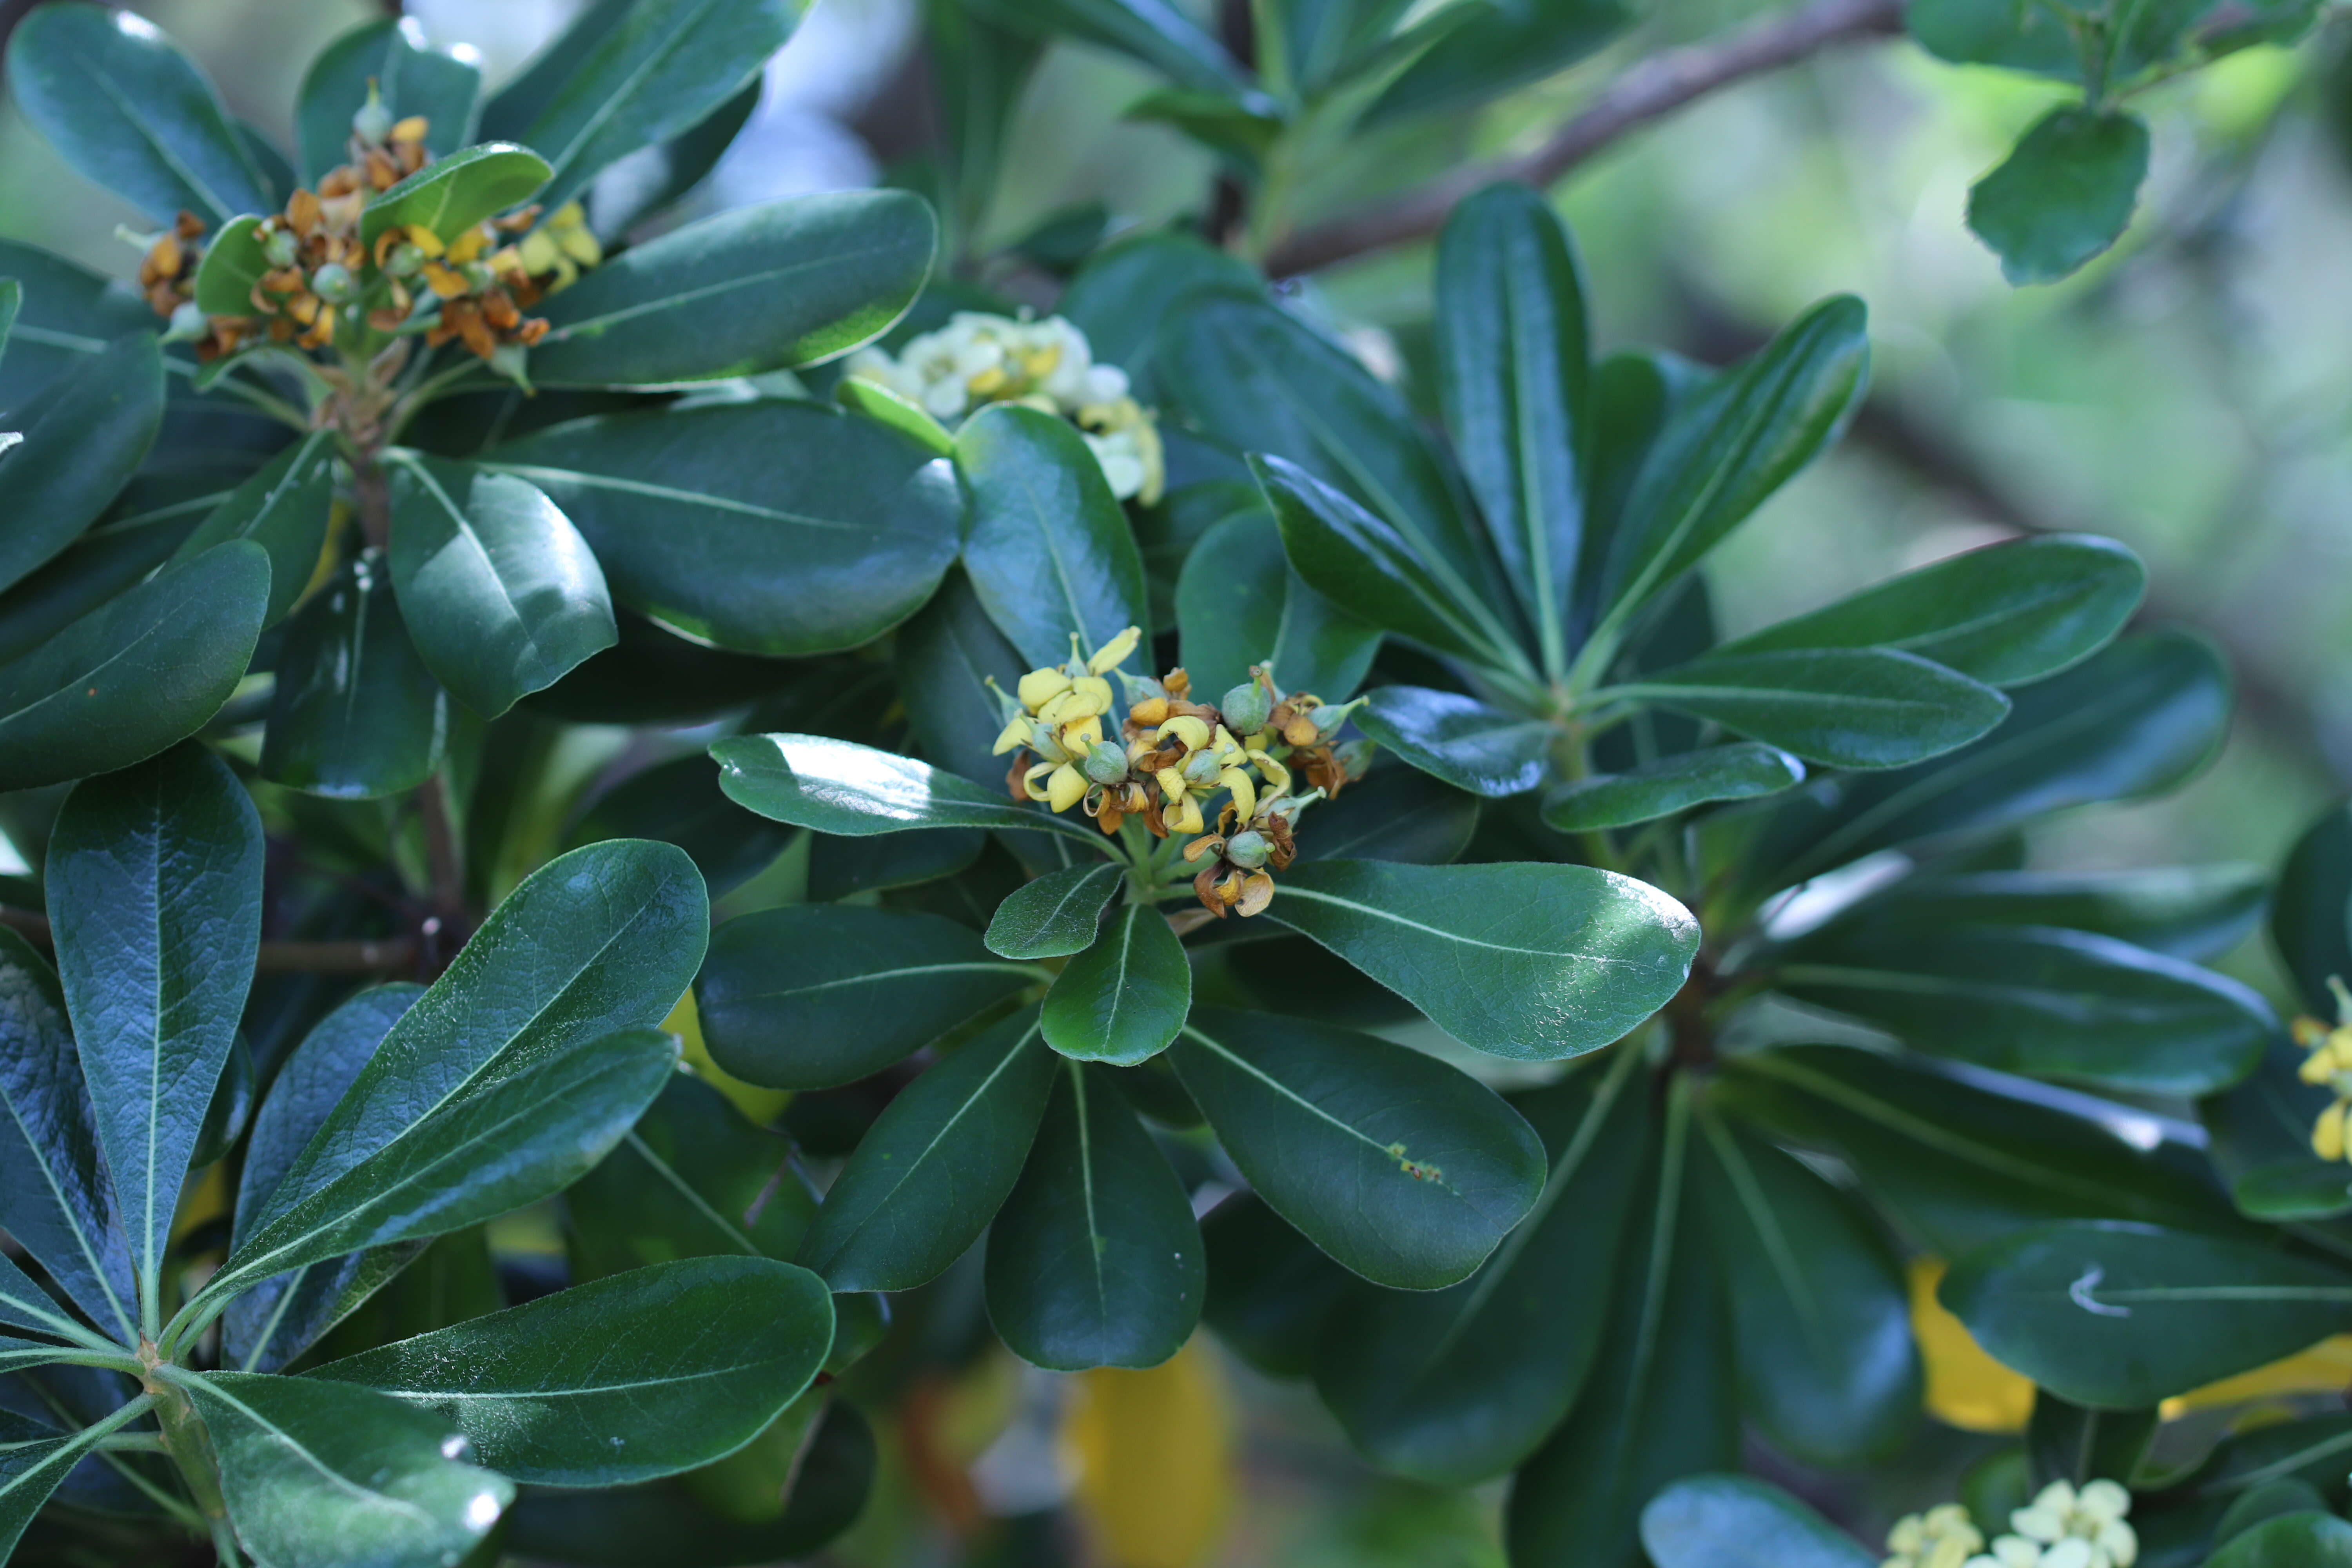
point(979, 359)
point(2061, 1527)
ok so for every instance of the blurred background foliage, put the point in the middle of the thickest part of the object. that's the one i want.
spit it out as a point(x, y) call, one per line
point(2189, 392)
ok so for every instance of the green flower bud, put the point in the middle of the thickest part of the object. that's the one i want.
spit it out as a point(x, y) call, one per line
point(405, 260)
point(478, 275)
point(373, 122)
point(1246, 708)
point(1201, 769)
point(333, 281)
point(1106, 763)
point(1328, 719)
point(1247, 849)
point(510, 360)
point(280, 247)
point(188, 323)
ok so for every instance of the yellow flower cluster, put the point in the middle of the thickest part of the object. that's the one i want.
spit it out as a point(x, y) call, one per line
point(978, 359)
point(1169, 758)
point(2061, 1527)
point(2329, 1064)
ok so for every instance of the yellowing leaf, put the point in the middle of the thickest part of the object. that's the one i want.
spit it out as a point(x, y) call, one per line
point(1966, 1388)
point(761, 1105)
point(2324, 1368)
point(1153, 1452)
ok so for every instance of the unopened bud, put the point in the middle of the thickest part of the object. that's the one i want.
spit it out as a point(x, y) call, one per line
point(512, 361)
point(373, 122)
point(1106, 763)
point(1246, 708)
point(188, 323)
point(1201, 769)
point(333, 281)
point(1328, 719)
point(405, 260)
point(1247, 849)
point(477, 276)
point(280, 247)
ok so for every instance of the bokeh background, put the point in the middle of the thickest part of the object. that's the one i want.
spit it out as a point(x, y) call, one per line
point(2190, 393)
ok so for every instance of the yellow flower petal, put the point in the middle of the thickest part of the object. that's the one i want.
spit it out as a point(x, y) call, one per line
point(1185, 819)
point(1245, 791)
point(1039, 687)
point(1095, 690)
point(2327, 1133)
point(1029, 784)
point(2317, 1068)
point(1065, 787)
point(1276, 776)
point(1114, 652)
point(1193, 732)
point(1013, 737)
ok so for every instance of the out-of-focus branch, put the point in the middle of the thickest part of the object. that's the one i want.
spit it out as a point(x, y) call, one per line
point(385, 955)
point(1648, 91)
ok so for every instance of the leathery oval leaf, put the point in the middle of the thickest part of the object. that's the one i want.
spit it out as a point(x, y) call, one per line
point(2117, 1316)
point(621, 1380)
point(1123, 999)
point(1094, 1260)
point(1418, 1171)
point(1532, 961)
point(810, 995)
point(936, 1165)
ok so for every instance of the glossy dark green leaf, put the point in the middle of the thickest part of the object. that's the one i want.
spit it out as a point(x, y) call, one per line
point(2117, 1316)
point(1452, 1386)
point(1662, 1401)
point(317, 1471)
point(1123, 999)
point(2005, 615)
point(1048, 549)
point(626, 1527)
point(881, 862)
point(1239, 603)
point(1094, 1260)
point(270, 1325)
point(1056, 915)
point(232, 266)
point(451, 195)
point(126, 108)
point(501, 594)
point(2131, 720)
point(2064, 193)
point(643, 1374)
point(1405, 1170)
point(135, 675)
point(1741, 771)
point(944, 658)
point(1497, 49)
point(2260, 1504)
point(2260, 1133)
point(1820, 1320)
point(2039, 1000)
point(632, 75)
point(355, 714)
point(487, 1150)
point(810, 995)
point(605, 938)
point(114, 556)
point(654, 179)
point(52, 1180)
point(1123, 292)
point(2304, 1539)
point(1957, 1163)
point(154, 891)
point(835, 787)
point(1848, 707)
point(1270, 1289)
point(1722, 452)
point(936, 1165)
point(1355, 559)
point(679, 801)
point(768, 526)
point(283, 508)
point(1731, 1522)
point(1514, 361)
point(1534, 961)
point(763, 288)
point(1397, 814)
point(692, 1179)
point(2192, 912)
point(1156, 32)
point(1472, 745)
point(410, 78)
point(33, 1466)
point(69, 314)
point(2311, 911)
point(1258, 380)
point(82, 441)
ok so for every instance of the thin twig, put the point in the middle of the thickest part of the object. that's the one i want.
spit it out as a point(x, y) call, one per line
point(1648, 91)
point(379, 955)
